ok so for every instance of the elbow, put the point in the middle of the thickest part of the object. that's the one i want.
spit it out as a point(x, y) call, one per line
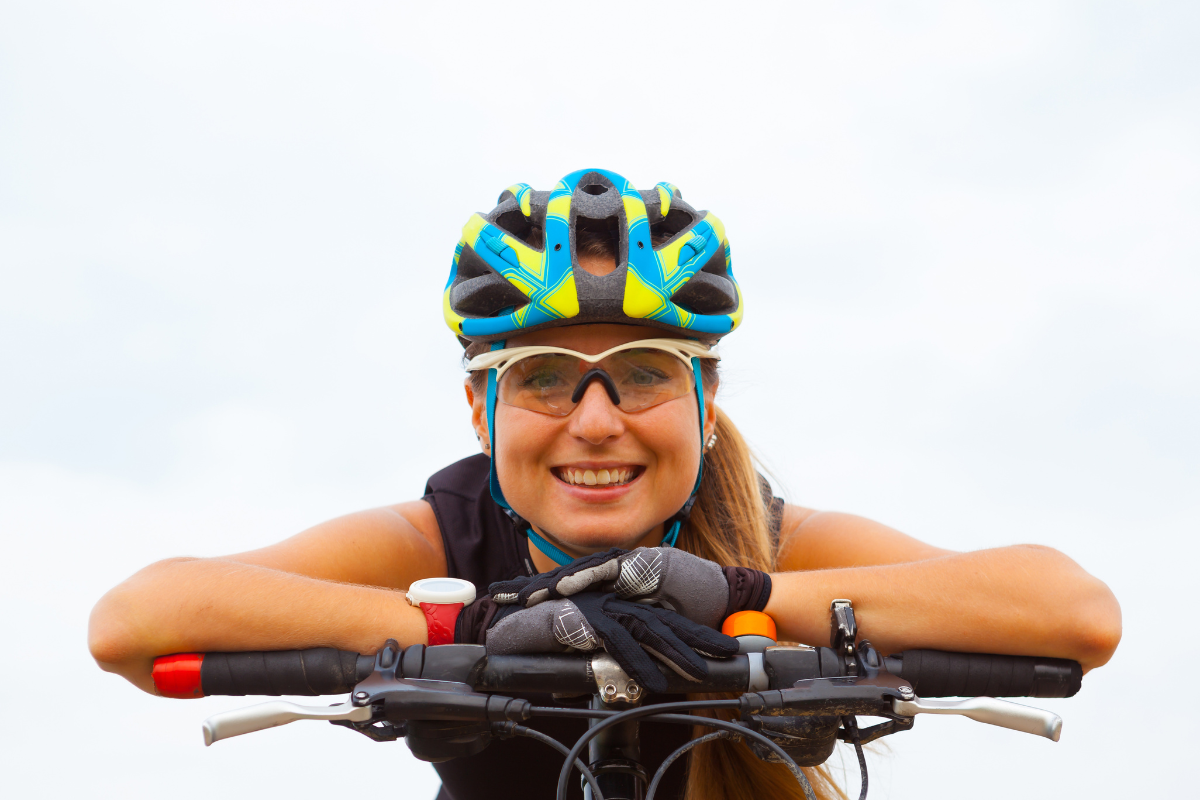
point(1087, 624)
point(123, 627)
point(1099, 641)
point(112, 638)
point(116, 640)
point(1096, 628)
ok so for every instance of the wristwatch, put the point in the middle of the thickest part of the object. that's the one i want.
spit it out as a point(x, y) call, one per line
point(441, 599)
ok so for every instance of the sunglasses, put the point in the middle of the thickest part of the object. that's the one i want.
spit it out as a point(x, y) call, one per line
point(552, 380)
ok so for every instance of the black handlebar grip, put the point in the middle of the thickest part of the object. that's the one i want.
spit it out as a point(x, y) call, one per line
point(934, 673)
point(321, 670)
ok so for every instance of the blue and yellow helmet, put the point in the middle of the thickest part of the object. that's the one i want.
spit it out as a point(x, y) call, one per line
point(515, 268)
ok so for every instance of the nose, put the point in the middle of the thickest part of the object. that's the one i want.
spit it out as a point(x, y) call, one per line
point(595, 418)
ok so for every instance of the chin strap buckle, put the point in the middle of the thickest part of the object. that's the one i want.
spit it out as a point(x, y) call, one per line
point(523, 528)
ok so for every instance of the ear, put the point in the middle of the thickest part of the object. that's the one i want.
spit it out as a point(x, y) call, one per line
point(478, 404)
point(710, 410)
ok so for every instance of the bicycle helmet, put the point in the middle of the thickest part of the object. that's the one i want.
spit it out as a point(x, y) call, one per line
point(501, 284)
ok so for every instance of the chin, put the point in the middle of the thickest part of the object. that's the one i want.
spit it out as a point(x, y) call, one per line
point(599, 538)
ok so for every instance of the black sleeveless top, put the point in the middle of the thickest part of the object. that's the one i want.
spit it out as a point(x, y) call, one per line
point(482, 546)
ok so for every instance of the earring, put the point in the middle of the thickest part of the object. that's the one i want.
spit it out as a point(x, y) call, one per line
point(711, 443)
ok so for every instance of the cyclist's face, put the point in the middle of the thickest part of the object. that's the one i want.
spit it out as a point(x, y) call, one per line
point(598, 477)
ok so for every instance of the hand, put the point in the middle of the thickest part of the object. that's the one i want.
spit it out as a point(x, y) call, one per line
point(630, 632)
point(700, 590)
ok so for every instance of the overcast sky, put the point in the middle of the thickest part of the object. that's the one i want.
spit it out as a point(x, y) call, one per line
point(966, 233)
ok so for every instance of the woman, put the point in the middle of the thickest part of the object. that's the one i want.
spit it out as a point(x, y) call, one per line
point(581, 454)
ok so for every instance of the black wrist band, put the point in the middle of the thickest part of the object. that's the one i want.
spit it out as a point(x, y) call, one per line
point(749, 589)
point(474, 620)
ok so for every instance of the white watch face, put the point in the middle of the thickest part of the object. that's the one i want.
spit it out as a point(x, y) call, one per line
point(441, 590)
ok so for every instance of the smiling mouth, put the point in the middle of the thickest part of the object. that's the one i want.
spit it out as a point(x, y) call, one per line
point(613, 476)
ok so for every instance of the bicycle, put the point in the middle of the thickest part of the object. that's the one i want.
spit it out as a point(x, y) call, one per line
point(795, 703)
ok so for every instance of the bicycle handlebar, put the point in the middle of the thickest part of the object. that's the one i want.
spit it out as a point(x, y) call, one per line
point(795, 702)
point(324, 671)
point(935, 673)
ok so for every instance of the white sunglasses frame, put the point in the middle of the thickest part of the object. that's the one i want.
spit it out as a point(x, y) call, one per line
point(500, 360)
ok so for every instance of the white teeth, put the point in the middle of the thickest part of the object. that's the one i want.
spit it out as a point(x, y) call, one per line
point(604, 477)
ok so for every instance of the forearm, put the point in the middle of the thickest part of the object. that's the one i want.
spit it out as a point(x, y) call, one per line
point(199, 605)
point(1017, 600)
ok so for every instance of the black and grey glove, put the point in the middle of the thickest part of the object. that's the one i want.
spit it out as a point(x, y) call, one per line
point(700, 590)
point(630, 632)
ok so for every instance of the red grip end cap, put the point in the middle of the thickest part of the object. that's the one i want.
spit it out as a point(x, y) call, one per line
point(178, 675)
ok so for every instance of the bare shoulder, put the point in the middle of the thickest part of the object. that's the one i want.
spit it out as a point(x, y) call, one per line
point(811, 539)
point(390, 547)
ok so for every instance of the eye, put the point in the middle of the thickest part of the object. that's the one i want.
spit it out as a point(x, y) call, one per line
point(646, 376)
point(542, 379)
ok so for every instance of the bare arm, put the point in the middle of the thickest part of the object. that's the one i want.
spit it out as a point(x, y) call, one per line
point(1020, 600)
point(334, 585)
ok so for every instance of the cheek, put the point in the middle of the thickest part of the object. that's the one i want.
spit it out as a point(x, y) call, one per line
point(672, 432)
point(522, 438)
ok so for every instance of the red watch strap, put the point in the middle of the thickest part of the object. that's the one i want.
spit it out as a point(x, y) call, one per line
point(440, 619)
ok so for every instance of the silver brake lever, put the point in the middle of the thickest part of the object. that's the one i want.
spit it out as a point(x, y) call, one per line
point(269, 715)
point(990, 710)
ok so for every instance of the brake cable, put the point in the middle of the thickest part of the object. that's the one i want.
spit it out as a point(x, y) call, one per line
point(513, 729)
point(851, 726)
point(655, 713)
point(688, 745)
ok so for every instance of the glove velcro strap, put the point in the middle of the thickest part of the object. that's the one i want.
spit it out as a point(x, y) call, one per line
point(475, 620)
point(749, 589)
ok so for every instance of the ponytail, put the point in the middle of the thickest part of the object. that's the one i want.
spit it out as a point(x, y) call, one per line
point(730, 525)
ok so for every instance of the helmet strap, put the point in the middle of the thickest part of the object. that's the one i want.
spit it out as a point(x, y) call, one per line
point(676, 521)
point(493, 478)
point(700, 402)
point(537, 540)
point(550, 551)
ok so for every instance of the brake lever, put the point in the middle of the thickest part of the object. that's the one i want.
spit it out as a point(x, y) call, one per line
point(988, 710)
point(278, 712)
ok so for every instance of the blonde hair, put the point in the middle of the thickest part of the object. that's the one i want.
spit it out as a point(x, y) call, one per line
point(730, 525)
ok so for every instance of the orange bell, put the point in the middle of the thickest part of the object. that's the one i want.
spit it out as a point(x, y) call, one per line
point(749, 623)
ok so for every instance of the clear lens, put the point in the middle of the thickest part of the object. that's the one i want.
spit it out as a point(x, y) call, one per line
point(644, 377)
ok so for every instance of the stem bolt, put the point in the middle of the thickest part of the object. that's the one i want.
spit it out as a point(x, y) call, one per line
point(361, 695)
point(632, 689)
point(610, 690)
point(906, 692)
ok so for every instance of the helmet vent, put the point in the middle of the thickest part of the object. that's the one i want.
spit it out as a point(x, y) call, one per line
point(480, 291)
point(595, 188)
point(598, 238)
point(676, 220)
point(710, 291)
point(518, 225)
